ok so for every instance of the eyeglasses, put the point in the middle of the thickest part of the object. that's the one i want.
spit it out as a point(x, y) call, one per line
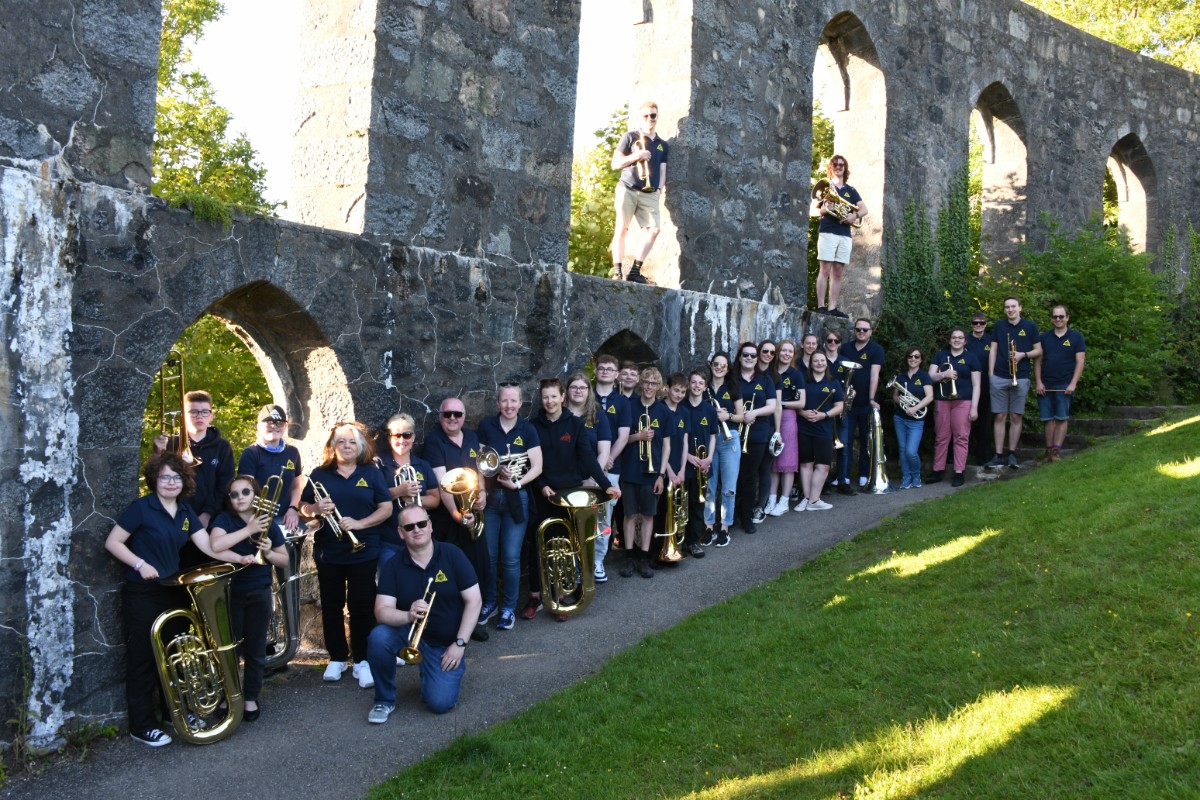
point(453, 414)
point(862, 330)
point(199, 412)
point(839, 163)
point(606, 368)
point(916, 356)
point(651, 383)
point(1058, 316)
point(234, 494)
point(401, 434)
point(650, 116)
point(170, 479)
point(413, 526)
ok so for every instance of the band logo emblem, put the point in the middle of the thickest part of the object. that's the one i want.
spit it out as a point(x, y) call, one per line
point(519, 441)
point(361, 482)
point(187, 524)
point(290, 465)
point(566, 437)
point(440, 577)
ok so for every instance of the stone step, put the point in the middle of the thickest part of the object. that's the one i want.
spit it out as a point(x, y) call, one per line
point(1143, 412)
point(1033, 440)
point(1103, 426)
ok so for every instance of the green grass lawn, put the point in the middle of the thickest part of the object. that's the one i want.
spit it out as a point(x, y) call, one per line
point(1030, 638)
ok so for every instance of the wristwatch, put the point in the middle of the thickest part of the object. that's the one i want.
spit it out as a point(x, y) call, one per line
point(460, 642)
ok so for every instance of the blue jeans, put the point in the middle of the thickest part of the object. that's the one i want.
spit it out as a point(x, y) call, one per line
point(723, 479)
point(855, 425)
point(504, 536)
point(908, 434)
point(439, 688)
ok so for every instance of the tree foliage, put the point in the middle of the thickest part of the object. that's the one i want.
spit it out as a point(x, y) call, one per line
point(593, 186)
point(1168, 30)
point(197, 160)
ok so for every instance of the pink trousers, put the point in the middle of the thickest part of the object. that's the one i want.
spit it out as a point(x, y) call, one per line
point(952, 421)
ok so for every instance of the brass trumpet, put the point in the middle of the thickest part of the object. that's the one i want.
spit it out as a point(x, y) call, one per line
point(642, 168)
point(646, 446)
point(744, 428)
point(199, 668)
point(171, 422)
point(701, 476)
point(411, 654)
point(1012, 360)
point(677, 519)
point(333, 518)
point(463, 485)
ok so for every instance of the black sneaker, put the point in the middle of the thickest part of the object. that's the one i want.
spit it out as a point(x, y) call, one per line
point(152, 738)
point(695, 550)
point(996, 462)
point(822, 310)
point(723, 538)
point(758, 516)
point(846, 489)
point(837, 312)
point(749, 527)
point(708, 538)
point(935, 477)
point(1012, 461)
point(626, 570)
point(644, 569)
point(635, 277)
point(958, 479)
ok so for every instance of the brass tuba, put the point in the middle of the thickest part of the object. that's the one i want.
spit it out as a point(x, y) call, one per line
point(823, 192)
point(677, 519)
point(463, 485)
point(171, 422)
point(879, 479)
point(567, 561)
point(283, 632)
point(199, 668)
point(908, 400)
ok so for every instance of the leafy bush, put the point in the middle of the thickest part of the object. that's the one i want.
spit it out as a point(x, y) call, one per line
point(1184, 292)
point(593, 186)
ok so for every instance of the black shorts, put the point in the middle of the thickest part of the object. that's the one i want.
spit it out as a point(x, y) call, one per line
point(639, 498)
point(815, 451)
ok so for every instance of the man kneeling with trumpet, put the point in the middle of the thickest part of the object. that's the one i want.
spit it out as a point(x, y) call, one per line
point(427, 605)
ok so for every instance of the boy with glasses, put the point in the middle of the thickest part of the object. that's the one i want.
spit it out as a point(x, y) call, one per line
point(641, 156)
point(213, 456)
point(615, 407)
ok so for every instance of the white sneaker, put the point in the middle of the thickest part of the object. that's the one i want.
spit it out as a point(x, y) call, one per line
point(802, 505)
point(335, 669)
point(780, 508)
point(819, 505)
point(362, 671)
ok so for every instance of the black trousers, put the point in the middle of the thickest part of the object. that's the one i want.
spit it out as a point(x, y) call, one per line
point(343, 585)
point(141, 604)
point(250, 613)
point(754, 480)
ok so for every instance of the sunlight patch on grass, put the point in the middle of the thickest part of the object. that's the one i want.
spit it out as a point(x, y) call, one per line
point(1173, 426)
point(905, 565)
point(836, 600)
point(905, 759)
point(1181, 469)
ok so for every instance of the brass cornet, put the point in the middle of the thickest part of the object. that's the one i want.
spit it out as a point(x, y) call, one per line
point(642, 168)
point(744, 429)
point(1012, 360)
point(412, 653)
point(950, 393)
point(333, 518)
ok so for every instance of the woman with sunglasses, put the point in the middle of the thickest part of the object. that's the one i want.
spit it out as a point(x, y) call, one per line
point(507, 511)
point(726, 463)
point(958, 375)
point(358, 492)
point(789, 392)
point(147, 539)
point(411, 479)
point(917, 383)
point(823, 403)
point(833, 360)
point(758, 414)
point(241, 531)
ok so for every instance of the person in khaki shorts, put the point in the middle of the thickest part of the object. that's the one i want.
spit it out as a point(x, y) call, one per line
point(641, 156)
point(833, 241)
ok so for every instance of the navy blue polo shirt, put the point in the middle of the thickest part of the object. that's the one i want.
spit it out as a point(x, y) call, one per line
point(452, 574)
point(790, 383)
point(260, 463)
point(661, 420)
point(387, 464)
point(833, 225)
point(615, 408)
point(356, 497)
point(155, 536)
point(679, 429)
point(916, 383)
point(256, 575)
point(439, 451)
point(1024, 337)
point(658, 156)
point(869, 356)
point(701, 425)
point(761, 388)
point(964, 364)
point(820, 396)
point(1058, 357)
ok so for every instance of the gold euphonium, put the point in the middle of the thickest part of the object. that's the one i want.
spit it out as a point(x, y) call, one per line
point(823, 192)
point(567, 561)
point(463, 485)
point(677, 519)
point(334, 518)
point(411, 653)
point(199, 668)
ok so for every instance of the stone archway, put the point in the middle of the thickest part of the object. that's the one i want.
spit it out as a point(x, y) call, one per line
point(1001, 129)
point(626, 345)
point(1137, 188)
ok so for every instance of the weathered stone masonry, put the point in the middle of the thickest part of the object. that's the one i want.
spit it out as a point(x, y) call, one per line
point(441, 199)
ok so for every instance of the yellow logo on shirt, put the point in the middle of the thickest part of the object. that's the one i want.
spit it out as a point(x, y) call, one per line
point(519, 441)
point(758, 387)
point(440, 577)
point(659, 148)
point(473, 453)
point(362, 482)
point(863, 357)
point(653, 423)
point(1021, 332)
point(290, 465)
point(917, 382)
point(187, 524)
point(680, 425)
point(1067, 343)
point(611, 410)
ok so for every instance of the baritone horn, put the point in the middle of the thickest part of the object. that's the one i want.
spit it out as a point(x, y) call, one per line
point(199, 667)
point(463, 485)
point(823, 192)
point(334, 518)
point(677, 519)
point(908, 400)
point(411, 654)
point(567, 560)
point(171, 420)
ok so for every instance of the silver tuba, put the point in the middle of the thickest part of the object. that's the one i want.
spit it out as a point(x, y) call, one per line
point(567, 560)
point(199, 667)
point(879, 478)
point(283, 633)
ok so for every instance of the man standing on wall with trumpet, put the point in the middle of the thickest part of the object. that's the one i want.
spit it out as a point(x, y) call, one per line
point(430, 580)
point(840, 206)
point(1016, 345)
point(641, 156)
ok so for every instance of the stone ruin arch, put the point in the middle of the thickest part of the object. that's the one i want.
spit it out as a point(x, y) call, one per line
point(1001, 127)
point(1133, 171)
point(625, 345)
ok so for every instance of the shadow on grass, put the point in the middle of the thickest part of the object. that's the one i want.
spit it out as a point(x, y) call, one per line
point(1030, 638)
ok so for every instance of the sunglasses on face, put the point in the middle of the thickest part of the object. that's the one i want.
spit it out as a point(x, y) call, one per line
point(833, 341)
point(914, 355)
point(862, 330)
point(766, 352)
point(749, 355)
point(401, 434)
point(979, 322)
point(413, 526)
point(650, 116)
point(1058, 316)
point(453, 414)
point(245, 491)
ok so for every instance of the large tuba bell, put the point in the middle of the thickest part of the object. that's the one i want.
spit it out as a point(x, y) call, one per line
point(199, 668)
point(170, 420)
point(567, 561)
point(879, 479)
point(822, 191)
point(677, 520)
point(463, 485)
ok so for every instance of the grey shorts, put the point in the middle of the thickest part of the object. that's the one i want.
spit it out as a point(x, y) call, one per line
point(1006, 398)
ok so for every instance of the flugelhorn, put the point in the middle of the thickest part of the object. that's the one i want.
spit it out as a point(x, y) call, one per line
point(952, 394)
point(567, 560)
point(823, 192)
point(411, 654)
point(333, 519)
point(726, 434)
point(908, 400)
point(199, 668)
point(646, 446)
point(463, 485)
point(171, 421)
